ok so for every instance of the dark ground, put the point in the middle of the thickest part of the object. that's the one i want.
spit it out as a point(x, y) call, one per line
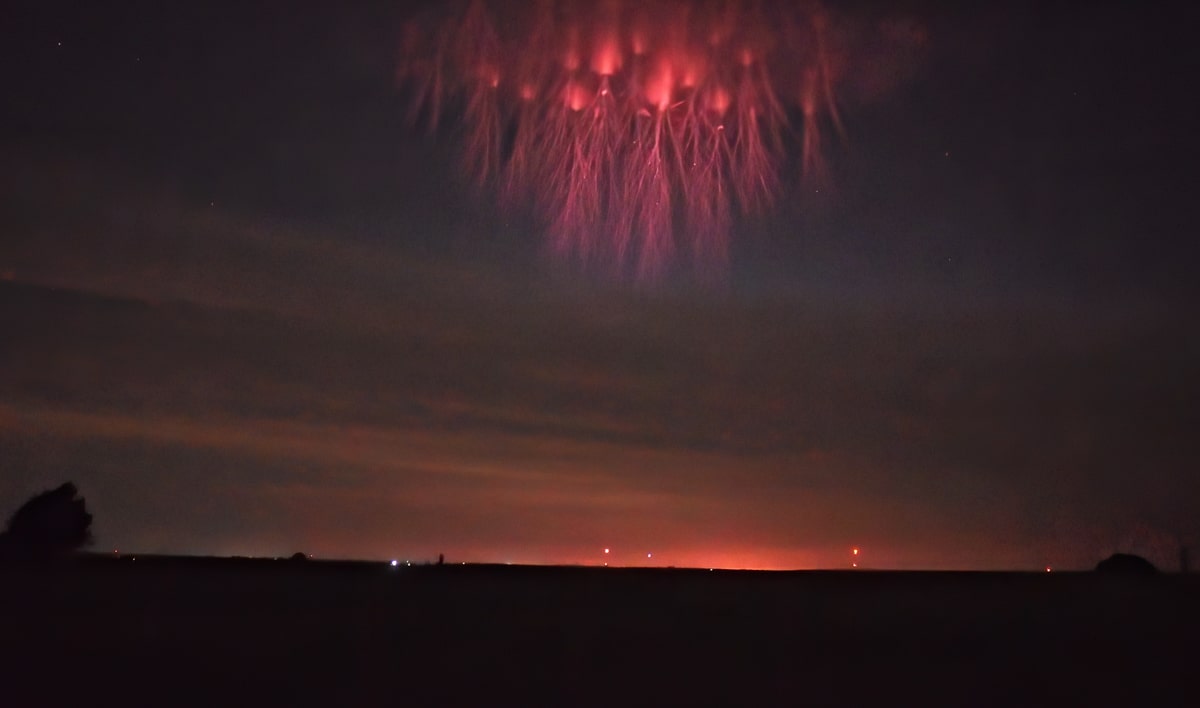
point(228, 632)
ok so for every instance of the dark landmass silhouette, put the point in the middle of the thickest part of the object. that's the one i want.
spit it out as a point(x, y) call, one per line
point(1126, 564)
point(272, 632)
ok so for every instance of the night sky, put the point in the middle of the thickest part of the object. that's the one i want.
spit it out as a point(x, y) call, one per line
point(249, 309)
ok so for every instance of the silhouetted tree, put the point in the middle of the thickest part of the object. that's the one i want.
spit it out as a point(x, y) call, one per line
point(52, 523)
point(298, 556)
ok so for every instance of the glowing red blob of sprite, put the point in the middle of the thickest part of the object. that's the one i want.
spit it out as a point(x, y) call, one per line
point(637, 130)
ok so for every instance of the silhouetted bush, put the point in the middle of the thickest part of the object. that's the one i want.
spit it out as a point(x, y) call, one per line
point(299, 557)
point(1126, 564)
point(53, 523)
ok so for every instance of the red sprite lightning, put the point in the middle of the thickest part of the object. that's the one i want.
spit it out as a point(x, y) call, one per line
point(636, 130)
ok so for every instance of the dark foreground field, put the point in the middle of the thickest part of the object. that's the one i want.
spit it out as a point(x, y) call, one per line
point(304, 633)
